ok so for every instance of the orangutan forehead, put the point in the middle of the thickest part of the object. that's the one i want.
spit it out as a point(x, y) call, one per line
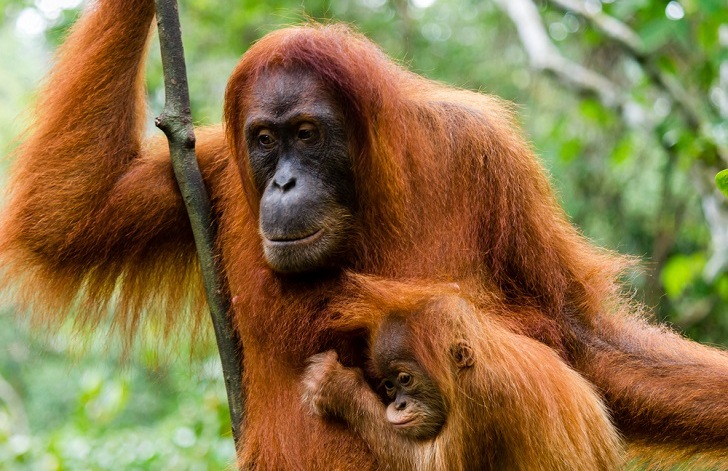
point(281, 92)
point(392, 341)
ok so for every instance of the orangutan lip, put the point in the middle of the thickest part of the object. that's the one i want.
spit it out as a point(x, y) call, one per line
point(404, 423)
point(300, 240)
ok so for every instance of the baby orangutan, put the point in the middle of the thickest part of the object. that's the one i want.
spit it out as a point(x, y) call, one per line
point(416, 408)
point(457, 389)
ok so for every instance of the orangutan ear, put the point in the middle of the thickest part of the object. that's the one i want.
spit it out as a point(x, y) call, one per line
point(462, 354)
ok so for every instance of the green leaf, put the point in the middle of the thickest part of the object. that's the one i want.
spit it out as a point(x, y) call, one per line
point(623, 150)
point(656, 33)
point(722, 287)
point(570, 150)
point(592, 110)
point(680, 272)
point(722, 181)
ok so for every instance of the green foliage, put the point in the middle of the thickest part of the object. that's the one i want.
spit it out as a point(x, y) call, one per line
point(721, 180)
point(94, 411)
point(680, 272)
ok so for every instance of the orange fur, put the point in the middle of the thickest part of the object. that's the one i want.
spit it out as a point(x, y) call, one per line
point(448, 190)
point(518, 407)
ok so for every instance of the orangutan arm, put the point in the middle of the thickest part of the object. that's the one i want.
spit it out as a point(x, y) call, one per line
point(90, 203)
point(668, 395)
point(334, 391)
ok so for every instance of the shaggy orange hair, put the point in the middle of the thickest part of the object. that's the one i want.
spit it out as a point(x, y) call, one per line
point(447, 189)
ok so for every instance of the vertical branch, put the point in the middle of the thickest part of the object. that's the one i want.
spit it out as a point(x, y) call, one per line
point(176, 122)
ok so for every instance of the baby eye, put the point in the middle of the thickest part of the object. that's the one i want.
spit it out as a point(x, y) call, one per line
point(388, 387)
point(404, 379)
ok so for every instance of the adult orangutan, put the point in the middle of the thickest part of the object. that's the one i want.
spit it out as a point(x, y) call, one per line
point(461, 391)
point(331, 157)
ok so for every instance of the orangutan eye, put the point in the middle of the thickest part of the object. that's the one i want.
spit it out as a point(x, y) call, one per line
point(404, 379)
point(388, 388)
point(266, 139)
point(307, 132)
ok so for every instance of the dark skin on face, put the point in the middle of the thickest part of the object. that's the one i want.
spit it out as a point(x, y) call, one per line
point(301, 165)
point(416, 408)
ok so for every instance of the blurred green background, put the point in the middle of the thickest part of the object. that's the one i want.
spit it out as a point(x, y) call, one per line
point(625, 100)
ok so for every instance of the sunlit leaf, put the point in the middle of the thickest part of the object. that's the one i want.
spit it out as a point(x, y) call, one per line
point(680, 272)
point(570, 150)
point(722, 181)
point(623, 150)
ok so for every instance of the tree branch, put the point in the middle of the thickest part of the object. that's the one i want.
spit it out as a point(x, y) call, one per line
point(608, 25)
point(623, 35)
point(15, 406)
point(714, 207)
point(544, 55)
point(176, 122)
